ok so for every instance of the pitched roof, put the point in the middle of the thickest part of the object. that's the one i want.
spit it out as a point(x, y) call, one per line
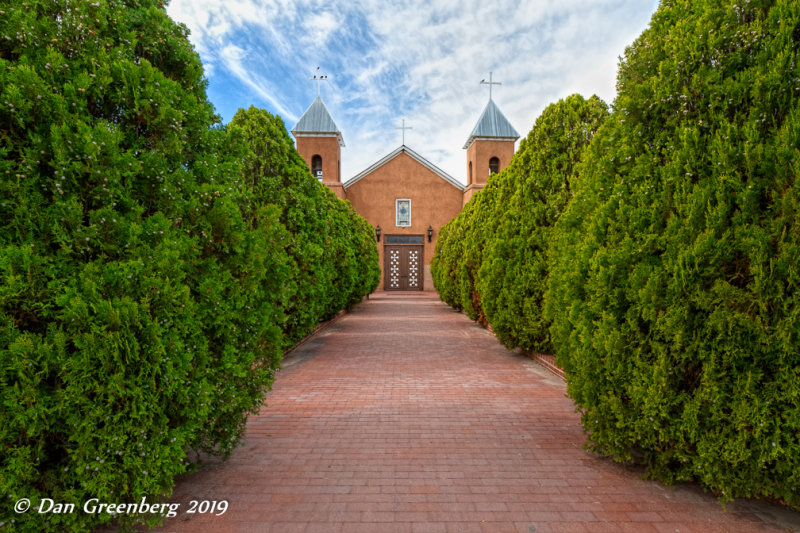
point(317, 122)
point(414, 155)
point(492, 125)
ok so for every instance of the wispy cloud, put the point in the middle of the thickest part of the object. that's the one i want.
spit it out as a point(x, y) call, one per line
point(319, 27)
point(233, 58)
point(421, 60)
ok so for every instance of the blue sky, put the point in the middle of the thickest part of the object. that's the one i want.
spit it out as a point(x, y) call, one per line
point(418, 60)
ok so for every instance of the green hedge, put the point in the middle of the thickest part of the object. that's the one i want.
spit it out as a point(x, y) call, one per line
point(146, 276)
point(491, 260)
point(333, 255)
point(669, 280)
point(513, 276)
point(674, 287)
point(459, 249)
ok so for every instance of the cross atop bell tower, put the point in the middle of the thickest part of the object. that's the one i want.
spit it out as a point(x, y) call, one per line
point(490, 83)
point(319, 79)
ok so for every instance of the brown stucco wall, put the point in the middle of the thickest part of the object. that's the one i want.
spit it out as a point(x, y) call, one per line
point(470, 192)
point(478, 154)
point(481, 151)
point(330, 152)
point(434, 202)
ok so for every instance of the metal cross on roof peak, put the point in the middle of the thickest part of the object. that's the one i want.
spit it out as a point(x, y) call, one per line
point(319, 79)
point(404, 128)
point(490, 83)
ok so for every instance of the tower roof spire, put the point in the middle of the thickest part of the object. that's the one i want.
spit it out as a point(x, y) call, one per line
point(492, 125)
point(317, 122)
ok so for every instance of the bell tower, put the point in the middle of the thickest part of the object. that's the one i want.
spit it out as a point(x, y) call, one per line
point(490, 146)
point(319, 143)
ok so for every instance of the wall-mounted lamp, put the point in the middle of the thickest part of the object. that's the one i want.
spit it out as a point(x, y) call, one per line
point(378, 233)
point(430, 233)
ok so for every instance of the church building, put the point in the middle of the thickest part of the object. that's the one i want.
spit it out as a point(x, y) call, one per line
point(405, 197)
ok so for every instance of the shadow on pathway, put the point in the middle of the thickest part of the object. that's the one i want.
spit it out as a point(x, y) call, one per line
point(405, 416)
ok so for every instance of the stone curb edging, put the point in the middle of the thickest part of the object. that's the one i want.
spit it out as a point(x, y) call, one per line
point(549, 362)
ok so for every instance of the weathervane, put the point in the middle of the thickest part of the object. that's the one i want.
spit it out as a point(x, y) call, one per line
point(490, 83)
point(319, 79)
point(404, 128)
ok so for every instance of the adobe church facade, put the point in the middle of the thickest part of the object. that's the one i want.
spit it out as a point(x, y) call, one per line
point(405, 197)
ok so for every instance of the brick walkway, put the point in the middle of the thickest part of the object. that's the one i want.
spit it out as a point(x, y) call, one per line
point(404, 416)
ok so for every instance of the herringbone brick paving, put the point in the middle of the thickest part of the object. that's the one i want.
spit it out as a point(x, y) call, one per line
point(404, 416)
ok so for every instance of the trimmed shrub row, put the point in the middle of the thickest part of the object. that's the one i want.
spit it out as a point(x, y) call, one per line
point(152, 272)
point(492, 259)
point(333, 256)
point(670, 287)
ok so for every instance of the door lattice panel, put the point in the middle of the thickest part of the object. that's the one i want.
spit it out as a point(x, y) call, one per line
point(413, 269)
point(394, 269)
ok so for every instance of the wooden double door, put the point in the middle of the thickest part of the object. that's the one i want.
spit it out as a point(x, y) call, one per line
point(403, 267)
